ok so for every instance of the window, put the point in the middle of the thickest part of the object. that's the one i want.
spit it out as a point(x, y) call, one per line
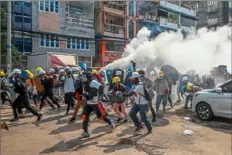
point(131, 8)
point(227, 88)
point(131, 29)
point(27, 44)
point(21, 15)
point(49, 6)
point(19, 43)
point(117, 46)
point(51, 41)
point(187, 22)
point(23, 43)
point(77, 43)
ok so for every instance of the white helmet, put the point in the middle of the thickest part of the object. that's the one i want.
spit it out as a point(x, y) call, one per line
point(135, 75)
point(51, 71)
point(16, 71)
point(117, 73)
point(185, 79)
point(66, 68)
point(61, 71)
point(42, 72)
point(152, 73)
point(74, 69)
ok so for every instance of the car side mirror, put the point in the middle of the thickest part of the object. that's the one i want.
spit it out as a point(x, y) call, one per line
point(219, 90)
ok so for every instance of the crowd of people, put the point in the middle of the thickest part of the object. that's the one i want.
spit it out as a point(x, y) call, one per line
point(79, 88)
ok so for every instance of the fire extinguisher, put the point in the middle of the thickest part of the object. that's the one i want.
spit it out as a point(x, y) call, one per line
point(102, 108)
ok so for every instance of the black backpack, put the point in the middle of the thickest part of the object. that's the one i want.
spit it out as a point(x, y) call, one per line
point(147, 95)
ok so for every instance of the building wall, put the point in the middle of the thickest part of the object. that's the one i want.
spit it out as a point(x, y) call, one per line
point(57, 24)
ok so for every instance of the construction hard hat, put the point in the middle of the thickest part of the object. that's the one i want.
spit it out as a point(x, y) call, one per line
point(135, 75)
point(118, 73)
point(42, 72)
point(137, 70)
point(185, 78)
point(116, 79)
point(62, 71)
point(51, 70)
point(94, 71)
point(74, 69)
point(152, 73)
point(189, 86)
point(161, 73)
point(38, 69)
point(66, 68)
point(130, 69)
point(2, 73)
point(16, 71)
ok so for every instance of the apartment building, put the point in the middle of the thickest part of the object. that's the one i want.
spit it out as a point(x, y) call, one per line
point(111, 30)
point(230, 12)
point(212, 13)
point(55, 26)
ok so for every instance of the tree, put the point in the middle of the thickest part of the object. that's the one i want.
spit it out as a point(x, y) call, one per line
point(15, 53)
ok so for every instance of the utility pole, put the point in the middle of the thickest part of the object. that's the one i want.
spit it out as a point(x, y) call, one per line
point(9, 54)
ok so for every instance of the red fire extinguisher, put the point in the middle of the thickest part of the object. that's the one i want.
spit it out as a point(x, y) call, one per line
point(102, 108)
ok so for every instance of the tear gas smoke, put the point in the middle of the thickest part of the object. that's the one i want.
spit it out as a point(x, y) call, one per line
point(200, 51)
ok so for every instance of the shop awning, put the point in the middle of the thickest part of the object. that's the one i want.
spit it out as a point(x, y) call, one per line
point(62, 60)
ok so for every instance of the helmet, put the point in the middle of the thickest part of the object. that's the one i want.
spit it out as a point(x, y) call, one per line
point(2, 73)
point(129, 69)
point(61, 71)
point(184, 79)
point(161, 74)
point(66, 68)
point(152, 73)
point(38, 69)
point(135, 75)
point(16, 71)
point(74, 69)
point(137, 70)
point(51, 71)
point(94, 71)
point(116, 79)
point(189, 86)
point(141, 72)
point(42, 72)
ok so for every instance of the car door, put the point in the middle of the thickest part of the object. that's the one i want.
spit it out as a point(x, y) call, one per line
point(223, 101)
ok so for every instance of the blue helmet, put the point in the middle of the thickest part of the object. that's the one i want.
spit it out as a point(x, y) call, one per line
point(225, 70)
point(130, 69)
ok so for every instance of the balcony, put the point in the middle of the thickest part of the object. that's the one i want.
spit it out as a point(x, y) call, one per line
point(212, 8)
point(212, 21)
point(166, 23)
point(117, 7)
point(177, 9)
point(114, 30)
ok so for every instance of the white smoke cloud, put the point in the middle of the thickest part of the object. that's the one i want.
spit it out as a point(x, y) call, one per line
point(200, 51)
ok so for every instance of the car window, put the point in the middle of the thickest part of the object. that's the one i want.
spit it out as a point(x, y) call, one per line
point(227, 88)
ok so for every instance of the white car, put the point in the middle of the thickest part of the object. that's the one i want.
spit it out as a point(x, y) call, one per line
point(214, 102)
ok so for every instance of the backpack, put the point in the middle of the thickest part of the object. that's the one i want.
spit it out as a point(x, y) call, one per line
point(147, 95)
point(3, 85)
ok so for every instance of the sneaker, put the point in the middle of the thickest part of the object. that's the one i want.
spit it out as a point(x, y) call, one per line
point(14, 120)
point(138, 129)
point(112, 126)
point(72, 120)
point(39, 117)
point(149, 131)
point(85, 135)
point(119, 119)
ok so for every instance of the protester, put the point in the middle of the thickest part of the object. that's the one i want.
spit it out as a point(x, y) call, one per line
point(161, 87)
point(5, 94)
point(20, 88)
point(140, 104)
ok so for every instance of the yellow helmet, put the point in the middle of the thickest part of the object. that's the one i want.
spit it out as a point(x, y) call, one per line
point(27, 71)
point(38, 69)
point(2, 73)
point(116, 79)
point(189, 86)
point(137, 70)
point(161, 74)
point(94, 71)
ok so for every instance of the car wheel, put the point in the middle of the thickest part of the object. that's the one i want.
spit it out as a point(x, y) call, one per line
point(204, 111)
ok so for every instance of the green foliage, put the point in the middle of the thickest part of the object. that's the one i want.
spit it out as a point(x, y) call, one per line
point(15, 53)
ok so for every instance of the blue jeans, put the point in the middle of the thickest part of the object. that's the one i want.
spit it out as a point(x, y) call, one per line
point(142, 109)
point(159, 98)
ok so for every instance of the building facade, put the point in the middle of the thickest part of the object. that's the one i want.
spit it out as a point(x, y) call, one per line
point(213, 13)
point(110, 30)
point(55, 26)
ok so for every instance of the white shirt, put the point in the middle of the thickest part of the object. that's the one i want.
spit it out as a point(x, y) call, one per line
point(139, 99)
